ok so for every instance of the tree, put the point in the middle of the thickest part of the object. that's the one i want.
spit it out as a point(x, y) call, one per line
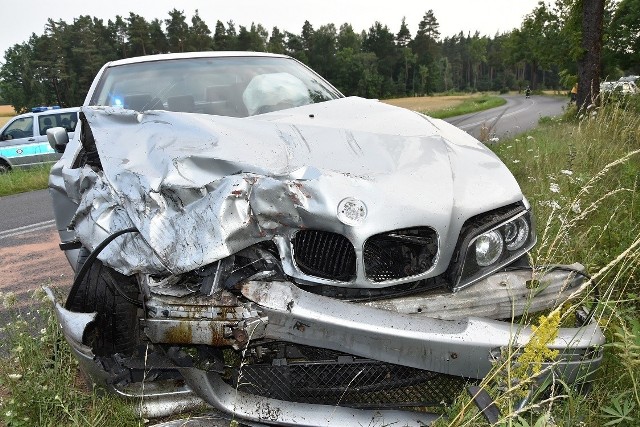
point(295, 47)
point(426, 47)
point(381, 41)
point(177, 30)
point(323, 50)
point(254, 39)
point(220, 38)
point(18, 84)
point(199, 38)
point(276, 41)
point(119, 29)
point(158, 42)
point(589, 62)
point(138, 34)
point(307, 36)
point(404, 35)
point(625, 35)
point(348, 39)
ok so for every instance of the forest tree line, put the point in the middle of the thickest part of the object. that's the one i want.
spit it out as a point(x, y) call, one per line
point(58, 66)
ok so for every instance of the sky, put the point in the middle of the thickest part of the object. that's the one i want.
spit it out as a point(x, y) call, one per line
point(22, 18)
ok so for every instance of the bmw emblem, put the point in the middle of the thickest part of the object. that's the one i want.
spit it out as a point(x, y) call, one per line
point(352, 211)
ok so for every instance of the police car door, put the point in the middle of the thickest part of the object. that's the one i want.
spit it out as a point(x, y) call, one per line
point(17, 143)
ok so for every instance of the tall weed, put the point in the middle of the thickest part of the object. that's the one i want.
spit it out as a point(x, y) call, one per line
point(39, 377)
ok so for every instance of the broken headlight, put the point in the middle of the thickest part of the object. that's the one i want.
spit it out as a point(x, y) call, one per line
point(490, 242)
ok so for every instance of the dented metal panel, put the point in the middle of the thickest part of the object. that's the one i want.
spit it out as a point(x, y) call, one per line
point(202, 187)
point(464, 347)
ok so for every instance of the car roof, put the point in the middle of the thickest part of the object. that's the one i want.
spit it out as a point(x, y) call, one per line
point(190, 55)
point(46, 112)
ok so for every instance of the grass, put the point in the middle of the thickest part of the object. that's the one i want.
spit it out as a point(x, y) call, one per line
point(582, 178)
point(39, 381)
point(23, 180)
point(472, 105)
point(442, 107)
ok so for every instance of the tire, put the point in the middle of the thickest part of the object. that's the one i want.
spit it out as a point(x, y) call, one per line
point(4, 167)
point(115, 329)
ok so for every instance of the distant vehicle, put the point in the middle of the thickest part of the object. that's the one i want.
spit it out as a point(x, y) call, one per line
point(625, 87)
point(23, 140)
point(629, 79)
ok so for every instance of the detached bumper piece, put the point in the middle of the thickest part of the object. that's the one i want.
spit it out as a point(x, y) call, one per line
point(318, 376)
point(290, 357)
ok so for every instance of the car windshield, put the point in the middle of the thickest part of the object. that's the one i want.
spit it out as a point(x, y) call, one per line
point(227, 86)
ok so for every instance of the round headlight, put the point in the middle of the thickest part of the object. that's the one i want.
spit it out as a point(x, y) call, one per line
point(516, 233)
point(488, 248)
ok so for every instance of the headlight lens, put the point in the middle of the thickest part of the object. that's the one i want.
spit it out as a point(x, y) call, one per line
point(488, 248)
point(492, 241)
point(516, 233)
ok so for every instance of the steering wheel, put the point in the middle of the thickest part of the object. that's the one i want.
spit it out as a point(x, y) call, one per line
point(16, 133)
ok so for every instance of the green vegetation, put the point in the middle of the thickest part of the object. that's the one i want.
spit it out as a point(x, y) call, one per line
point(39, 377)
point(22, 180)
point(582, 178)
point(471, 105)
point(57, 67)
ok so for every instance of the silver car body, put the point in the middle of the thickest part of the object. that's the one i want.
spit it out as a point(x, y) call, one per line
point(202, 189)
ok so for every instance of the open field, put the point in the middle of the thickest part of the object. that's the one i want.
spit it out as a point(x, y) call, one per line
point(428, 103)
point(6, 112)
point(442, 107)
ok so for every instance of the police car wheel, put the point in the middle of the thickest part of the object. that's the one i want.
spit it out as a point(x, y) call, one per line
point(4, 168)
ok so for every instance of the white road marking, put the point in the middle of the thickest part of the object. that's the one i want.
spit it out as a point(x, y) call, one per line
point(26, 229)
point(489, 119)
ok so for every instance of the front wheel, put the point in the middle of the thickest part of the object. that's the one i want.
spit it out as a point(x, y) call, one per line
point(111, 295)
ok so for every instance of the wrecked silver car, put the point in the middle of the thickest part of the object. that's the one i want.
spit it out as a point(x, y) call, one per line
point(245, 236)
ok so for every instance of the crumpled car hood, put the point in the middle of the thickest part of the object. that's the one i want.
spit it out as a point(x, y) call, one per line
point(201, 187)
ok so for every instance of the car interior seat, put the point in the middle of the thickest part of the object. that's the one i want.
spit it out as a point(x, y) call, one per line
point(182, 103)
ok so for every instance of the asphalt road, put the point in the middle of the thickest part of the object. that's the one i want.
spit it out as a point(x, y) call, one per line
point(517, 116)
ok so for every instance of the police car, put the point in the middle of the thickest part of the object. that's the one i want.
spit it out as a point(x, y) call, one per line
point(23, 140)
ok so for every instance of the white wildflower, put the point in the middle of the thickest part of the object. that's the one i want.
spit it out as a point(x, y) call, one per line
point(575, 207)
point(509, 146)
point(494, 139)
point(517, 140)
point(9, 300)
point(554, 188)
point(516, 161)
point(554, 205)
point(566, 172)
point(530, 150)
point(14, 376)
point(529, 137)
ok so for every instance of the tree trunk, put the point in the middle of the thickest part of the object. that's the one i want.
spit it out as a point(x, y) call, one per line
point(589, 63)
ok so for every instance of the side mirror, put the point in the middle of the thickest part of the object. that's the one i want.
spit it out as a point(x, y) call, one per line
point(58, 139)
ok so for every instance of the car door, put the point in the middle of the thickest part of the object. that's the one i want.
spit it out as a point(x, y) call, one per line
point(17, 142)
point(44, 122)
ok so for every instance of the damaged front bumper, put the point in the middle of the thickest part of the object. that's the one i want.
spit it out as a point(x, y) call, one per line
point(402, 331)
